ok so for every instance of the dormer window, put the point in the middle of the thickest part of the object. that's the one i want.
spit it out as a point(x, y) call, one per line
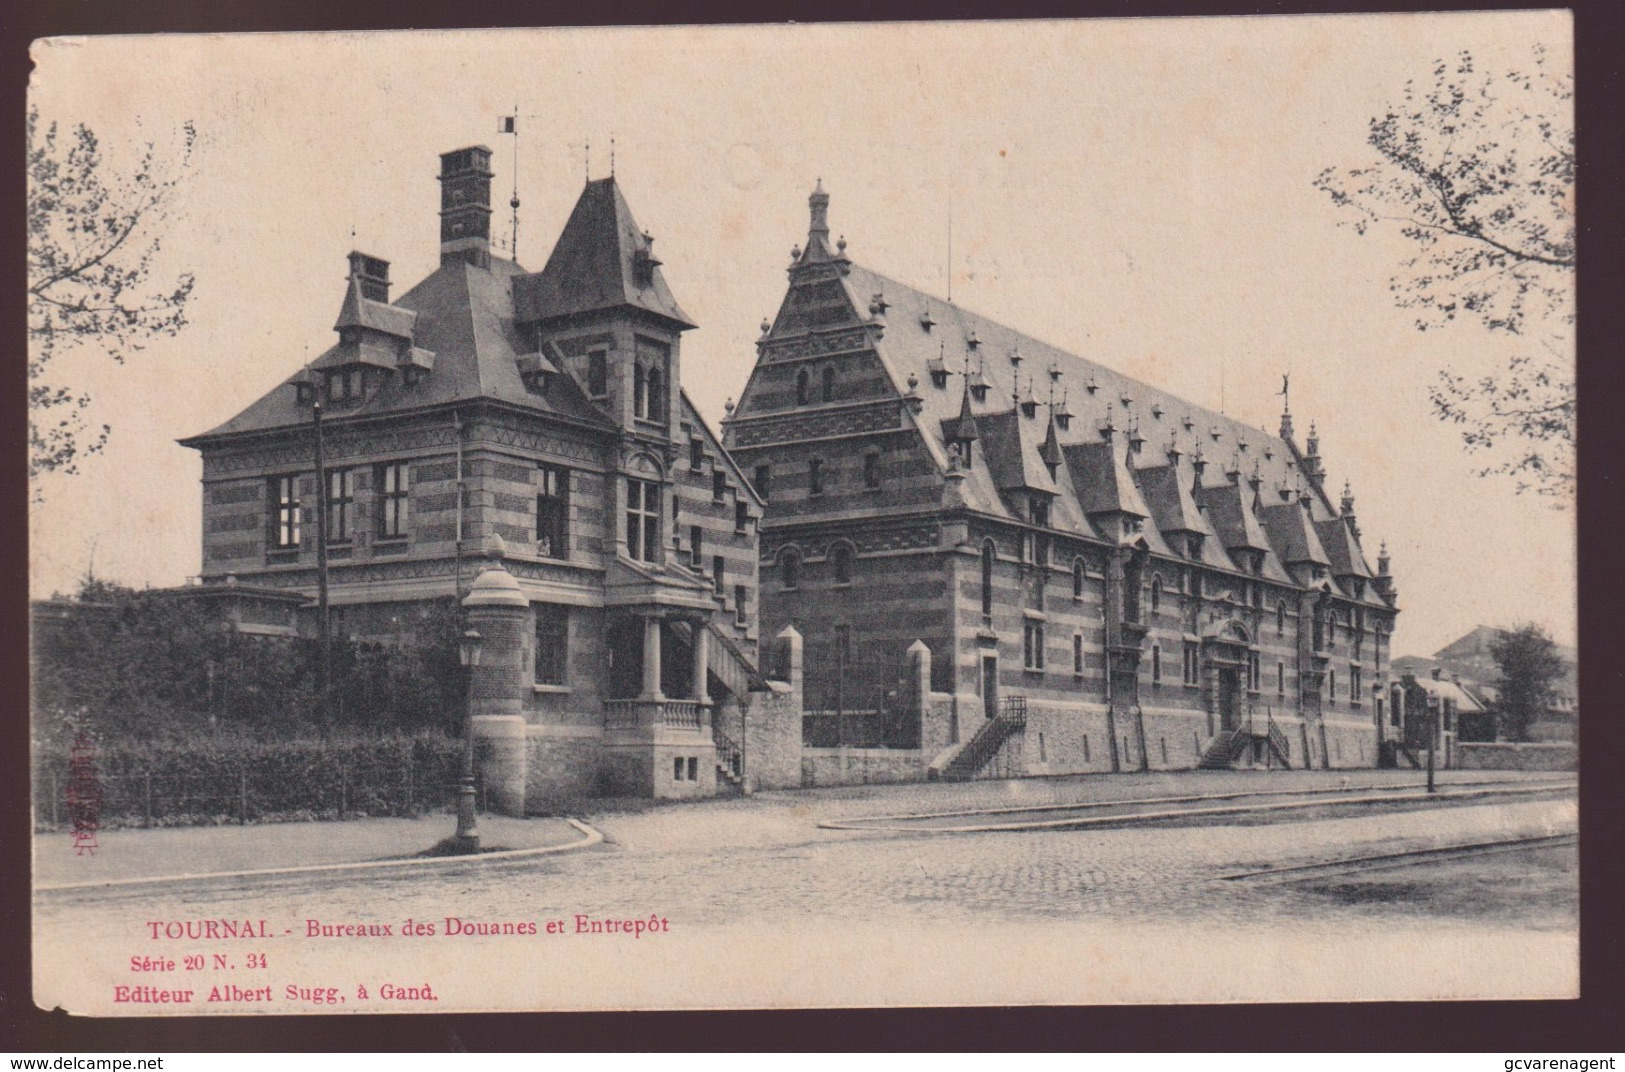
point(345, 386)
point(939, 378)
point(1193, 546)
point(1039, 508)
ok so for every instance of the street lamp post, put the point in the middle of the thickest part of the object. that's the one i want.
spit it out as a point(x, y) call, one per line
point(468, 835)
point(1433, 736)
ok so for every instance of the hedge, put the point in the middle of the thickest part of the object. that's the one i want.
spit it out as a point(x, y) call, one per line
point(178, 783)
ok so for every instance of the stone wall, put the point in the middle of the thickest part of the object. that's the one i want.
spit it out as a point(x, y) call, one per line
point(861, 766)
point(1506, 756)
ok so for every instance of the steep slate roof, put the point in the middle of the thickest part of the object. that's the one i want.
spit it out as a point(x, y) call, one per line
point(463, 314)
point(594, 265)
point(1230, 509)
point(1292, 531)
point(1099, 474)
point(1341, 548)
point(359, 311)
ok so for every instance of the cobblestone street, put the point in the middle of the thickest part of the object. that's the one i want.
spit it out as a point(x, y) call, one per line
point(1100, 914)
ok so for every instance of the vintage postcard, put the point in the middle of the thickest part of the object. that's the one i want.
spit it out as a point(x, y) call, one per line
point(1058, 512)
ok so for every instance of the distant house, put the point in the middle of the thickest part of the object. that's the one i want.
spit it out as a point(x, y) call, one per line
point(1469, 664)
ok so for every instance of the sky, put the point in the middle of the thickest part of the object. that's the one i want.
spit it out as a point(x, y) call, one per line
point(1138, 191)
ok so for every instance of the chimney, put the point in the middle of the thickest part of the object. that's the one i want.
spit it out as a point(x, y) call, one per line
point(373, 275)
point(465, 206)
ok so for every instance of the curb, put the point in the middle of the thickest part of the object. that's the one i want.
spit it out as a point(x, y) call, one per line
point(590, 837)
point(1156, 816)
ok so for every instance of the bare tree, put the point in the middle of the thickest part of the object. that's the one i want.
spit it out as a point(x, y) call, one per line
point(1476, 169)
point(93, 235)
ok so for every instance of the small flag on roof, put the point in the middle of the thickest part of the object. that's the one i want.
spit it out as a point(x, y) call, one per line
point(508, 124)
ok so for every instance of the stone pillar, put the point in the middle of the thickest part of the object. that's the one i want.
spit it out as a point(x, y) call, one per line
point(498, 609)
point(771, 734)
point(702, 666)
point(651, 659)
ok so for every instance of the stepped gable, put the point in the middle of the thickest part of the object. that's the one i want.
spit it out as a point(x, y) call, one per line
point(460, 312)
point(602, 261)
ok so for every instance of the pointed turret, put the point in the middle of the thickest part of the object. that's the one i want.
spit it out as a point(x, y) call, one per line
point(1050, 451)
point(960, 434)
point(1348, 509)
point(603, 262)
point(1311, 456)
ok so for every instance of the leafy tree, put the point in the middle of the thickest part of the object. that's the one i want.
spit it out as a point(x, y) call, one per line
point(93, 235)
point(1476, 170)
point(1530, 667)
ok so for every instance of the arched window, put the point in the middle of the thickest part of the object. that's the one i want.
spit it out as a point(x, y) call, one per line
point(1077, 578)
point(840, 559)
point(640, 399)
point(1156, 593)
point(829, 383)
point(988, 555)
point(801, 387)
point(657, 395)
point(790, 568)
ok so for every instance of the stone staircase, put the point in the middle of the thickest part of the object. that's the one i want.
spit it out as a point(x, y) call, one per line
point(989, 740)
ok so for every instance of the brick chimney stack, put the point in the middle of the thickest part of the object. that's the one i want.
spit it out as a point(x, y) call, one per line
point(465, 206)
point(373, 275)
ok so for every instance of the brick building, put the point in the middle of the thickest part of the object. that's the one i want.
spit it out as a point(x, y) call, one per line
point(534, 421)
point(1097, 574)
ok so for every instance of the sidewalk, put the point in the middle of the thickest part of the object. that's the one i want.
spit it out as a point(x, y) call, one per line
point(197, 850)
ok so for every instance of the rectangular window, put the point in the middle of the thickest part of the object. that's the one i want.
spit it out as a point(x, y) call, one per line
point(719, 484)
point(1032, 646)
point(553, 512)
point(1255, 676)
point(392, 481)
point(815, 477)
point(1354, 685)
point(741, 604)
point(345, 385)
point(642, 519)
point(696, 556)
point(717, 572)
point(340, 505)
point(597, 373)
point(741, 515)
point(552, 644)
point(1077, 653)
point(1331, 685)
point(677, 767)
point(1280, 679)
point(696, 453)
point(1156, 662)
point(1193, 662)
point(764, 480)
point(871, 470)
point(693, 768)
point(284, 512)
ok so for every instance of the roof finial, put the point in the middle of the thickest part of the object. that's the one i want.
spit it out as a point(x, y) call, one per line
point(587, 147)
point(612, 155)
